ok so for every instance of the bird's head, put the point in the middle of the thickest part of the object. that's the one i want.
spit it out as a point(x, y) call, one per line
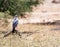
point(16, 15)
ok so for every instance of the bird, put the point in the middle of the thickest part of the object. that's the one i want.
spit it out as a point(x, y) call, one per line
point(15, 23)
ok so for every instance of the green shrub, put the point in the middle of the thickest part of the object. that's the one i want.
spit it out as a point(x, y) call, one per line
point(17, 6)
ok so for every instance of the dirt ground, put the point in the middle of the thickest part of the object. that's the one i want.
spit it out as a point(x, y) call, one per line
point(34, 36)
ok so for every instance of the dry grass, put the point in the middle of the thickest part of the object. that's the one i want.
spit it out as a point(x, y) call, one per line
point(45, 36)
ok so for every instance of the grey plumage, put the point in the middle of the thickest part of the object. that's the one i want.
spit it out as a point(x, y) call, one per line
point(15, 23)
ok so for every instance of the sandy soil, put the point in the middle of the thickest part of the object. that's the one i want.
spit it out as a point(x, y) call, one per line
point(41, 36)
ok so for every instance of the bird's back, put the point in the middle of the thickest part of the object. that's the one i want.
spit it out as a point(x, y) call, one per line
point(15, 22)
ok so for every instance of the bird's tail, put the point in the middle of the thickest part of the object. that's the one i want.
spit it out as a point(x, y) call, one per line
point(13, 30)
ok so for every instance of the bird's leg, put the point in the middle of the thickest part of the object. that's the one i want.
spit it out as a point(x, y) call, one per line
point(17, 32)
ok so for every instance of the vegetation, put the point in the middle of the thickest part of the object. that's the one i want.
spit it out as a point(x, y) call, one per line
point(17, 6)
